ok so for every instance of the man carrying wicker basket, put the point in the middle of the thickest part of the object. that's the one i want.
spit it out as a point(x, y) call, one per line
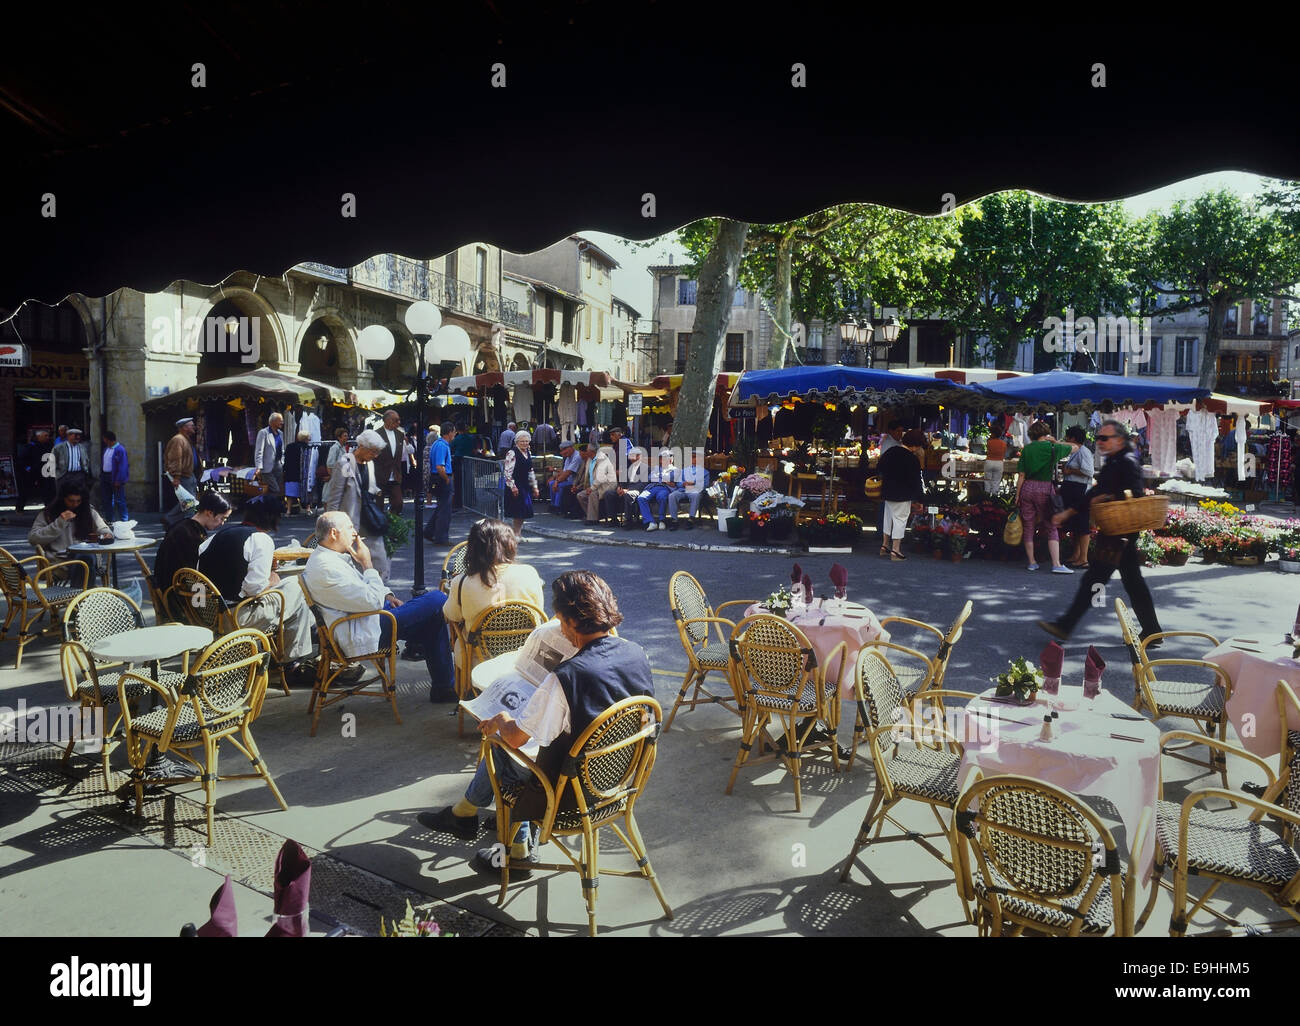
point(1128, 511)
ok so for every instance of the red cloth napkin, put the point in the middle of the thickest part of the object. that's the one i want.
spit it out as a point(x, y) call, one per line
point(223, 922)
point(1093, 666)
point(292, 888)
point(839, 578)
point(807, 588)
point(1051, 659)
point(796, 575)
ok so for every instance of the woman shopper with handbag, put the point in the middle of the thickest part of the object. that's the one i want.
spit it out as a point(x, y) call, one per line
point(1036, 492)
point(1122, 473)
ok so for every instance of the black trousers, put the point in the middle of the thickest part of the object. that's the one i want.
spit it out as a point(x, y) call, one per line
point(1099, 573)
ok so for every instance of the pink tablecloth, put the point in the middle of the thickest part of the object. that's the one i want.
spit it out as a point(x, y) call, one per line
point(1084, 759)
point(1254, 689)
point(855, 626)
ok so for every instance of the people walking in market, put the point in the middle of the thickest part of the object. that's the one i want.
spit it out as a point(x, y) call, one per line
point(995, 455)
point(352, 477)
point(181, 467)
point(112, 483)
point(295, 463)
point(1120, 473)
point(72, 460)
point(521, 482)
point(1035, 490)
point(268, 457)
point(442, 485)
point(391, 458)
point(901, 486)
point(1075, 483)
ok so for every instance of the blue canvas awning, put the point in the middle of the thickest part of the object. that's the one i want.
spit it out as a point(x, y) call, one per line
point(1074, 391)
point(846, 384)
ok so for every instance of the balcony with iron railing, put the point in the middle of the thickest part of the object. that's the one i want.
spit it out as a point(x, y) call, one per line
point(413, 279)
point(811, 356)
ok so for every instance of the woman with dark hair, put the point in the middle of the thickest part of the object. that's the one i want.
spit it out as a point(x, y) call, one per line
point(1077, 480)
point(67, 520)
point(491, 576)
point(604, 671)
point(180, 549)
point(1122, 472)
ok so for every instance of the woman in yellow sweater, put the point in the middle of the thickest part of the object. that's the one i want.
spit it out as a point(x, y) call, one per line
point(491, 577)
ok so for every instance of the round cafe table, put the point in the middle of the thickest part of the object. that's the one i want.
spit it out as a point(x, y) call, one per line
point(1104, 750)
point(152, 644)
point(1255, 665)
point(112, 549)
point(855, 625)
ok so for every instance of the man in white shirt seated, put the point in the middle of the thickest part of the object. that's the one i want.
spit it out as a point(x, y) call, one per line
point(342, 579)
point(694, 480)
point(238, 560)
point(604, 671)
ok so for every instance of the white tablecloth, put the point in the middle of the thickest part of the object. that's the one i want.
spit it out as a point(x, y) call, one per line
point(1254, 689)
point(855, 625)
point(1084, 759)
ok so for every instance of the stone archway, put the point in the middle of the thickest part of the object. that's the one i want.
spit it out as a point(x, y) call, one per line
point(241, 330)
point(520, 362)
point(326, 350)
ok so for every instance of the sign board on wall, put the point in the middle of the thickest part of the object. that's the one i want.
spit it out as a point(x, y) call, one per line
point(634, 404)
point(59, 370)
point(15, 355)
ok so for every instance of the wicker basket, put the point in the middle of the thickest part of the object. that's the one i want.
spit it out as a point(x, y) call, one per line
point(1129, 516)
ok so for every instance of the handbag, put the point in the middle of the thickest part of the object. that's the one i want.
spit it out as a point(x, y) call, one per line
point(374, 522)
point(1014, 532)
point(874, 487)
point(1058, 503)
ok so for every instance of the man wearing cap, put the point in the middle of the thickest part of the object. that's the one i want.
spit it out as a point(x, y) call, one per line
point(562, 490)
point(72, 461)
point(180, 467)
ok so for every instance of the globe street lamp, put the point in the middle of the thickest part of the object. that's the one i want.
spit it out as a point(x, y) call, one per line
point(434, 344)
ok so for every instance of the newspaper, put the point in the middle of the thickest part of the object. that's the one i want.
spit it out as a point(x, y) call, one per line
point(522, 673)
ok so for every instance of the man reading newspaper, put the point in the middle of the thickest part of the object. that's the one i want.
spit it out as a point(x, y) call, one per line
point(565, 677)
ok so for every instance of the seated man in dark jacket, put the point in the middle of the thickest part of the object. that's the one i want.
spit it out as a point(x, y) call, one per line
point(180, 549)
point(605, 670)
point(1121, 473)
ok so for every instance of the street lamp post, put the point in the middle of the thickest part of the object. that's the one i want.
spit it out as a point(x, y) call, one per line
point(434, 344)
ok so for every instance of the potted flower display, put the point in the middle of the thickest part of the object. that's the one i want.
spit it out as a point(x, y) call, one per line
point(1289, 562)
point(1020, 680)
point(1176, 551)
point(958, 536)
point(779, 602)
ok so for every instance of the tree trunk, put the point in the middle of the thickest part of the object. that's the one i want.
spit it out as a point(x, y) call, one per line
point(1005, 358)
point(717, 285)
point(783, 326)
point(1213, 333)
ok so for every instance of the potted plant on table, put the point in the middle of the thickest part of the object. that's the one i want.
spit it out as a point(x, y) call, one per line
point(779, 602)
point(1021, 681)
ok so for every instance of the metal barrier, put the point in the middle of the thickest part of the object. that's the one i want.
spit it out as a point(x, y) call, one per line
point(484, 493)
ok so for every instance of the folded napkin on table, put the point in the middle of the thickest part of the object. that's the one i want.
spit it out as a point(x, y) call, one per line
point(1092, 666)
point(1051, 659)
point(292, 888)
point(807, 588)
point(796, 575)
point(223, 922)
point(839, 578)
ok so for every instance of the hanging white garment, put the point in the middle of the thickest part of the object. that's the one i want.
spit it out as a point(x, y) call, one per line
point(1241, 435)
point(567, 405)
point(1162, 439)
point(1202, 432)
point(1135, 419)
point(524, 402)
point(311, 424)
point(1019, 430)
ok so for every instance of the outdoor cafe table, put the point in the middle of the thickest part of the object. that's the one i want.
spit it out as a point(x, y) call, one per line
point(152, 644)
point(1084, 759)
point(1255, 666)
point(855, 625)
point(112, 549)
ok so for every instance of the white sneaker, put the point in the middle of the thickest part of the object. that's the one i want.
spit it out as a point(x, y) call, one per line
point(1032, 566)
point(650, 527)
point(661, 526)
point(1062, 569)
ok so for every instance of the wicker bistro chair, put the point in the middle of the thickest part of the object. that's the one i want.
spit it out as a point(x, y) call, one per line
point(606, 771)
point(30, 593)
point(693, 616)
point(218, 701)
point(932, 669)
point(379, 682)
point(157, 595)
point(498, 630)
point(193, 598)
point(453, 566)
point(1031, 856)
point(93, 615)
point(1203, 702)
point(1229, 847)
point(913, 760)
point(776, 675)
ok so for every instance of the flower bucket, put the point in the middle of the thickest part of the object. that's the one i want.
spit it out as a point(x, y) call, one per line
point(735, 527)
point(724, 517)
